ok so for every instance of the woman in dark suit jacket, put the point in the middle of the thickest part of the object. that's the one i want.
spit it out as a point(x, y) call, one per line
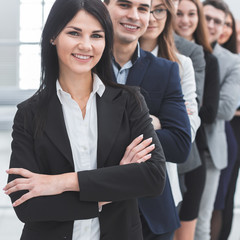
point(49, 184)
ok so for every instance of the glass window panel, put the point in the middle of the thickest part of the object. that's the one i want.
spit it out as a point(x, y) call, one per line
point(29, 66)
point(47, 7)
point(30, 22)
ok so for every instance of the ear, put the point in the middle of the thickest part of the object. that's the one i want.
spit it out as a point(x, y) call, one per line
point(52, 42)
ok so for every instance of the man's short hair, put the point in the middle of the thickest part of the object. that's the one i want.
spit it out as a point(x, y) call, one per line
point(219, 4)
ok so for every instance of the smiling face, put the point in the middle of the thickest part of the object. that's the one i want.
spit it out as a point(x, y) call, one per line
point(130, 19)
point(155, 27)
point(80, 45)
point(215, 22)
point(187, 19)
point(227, 30)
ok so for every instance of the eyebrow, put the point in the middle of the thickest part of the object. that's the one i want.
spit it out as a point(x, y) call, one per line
point(80, 30)
point(141, 4)
point(159, 5)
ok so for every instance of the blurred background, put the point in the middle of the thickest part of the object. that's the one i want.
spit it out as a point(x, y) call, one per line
point(21, 22)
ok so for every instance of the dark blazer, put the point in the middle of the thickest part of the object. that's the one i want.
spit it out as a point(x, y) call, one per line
point(209, 109)
point(121, 118)
point(159, 81)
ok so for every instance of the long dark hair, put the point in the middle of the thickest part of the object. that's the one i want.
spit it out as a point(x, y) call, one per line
point(231, 43)
point(60, 14)
point(200, 34)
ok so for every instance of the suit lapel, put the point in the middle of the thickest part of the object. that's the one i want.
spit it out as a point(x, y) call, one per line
point(56, 129)
point(110, 108)
point(137, 72)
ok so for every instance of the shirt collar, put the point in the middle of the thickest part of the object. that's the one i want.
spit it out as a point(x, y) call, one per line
point(98, 87)
point(133, 59)
point(155, 51)
point(213, 44)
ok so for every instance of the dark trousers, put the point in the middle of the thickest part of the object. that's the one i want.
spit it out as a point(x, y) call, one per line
point(148, 235)
point(229, 202)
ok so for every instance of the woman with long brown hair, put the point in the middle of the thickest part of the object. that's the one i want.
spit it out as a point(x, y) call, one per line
point(159, 40)
point(190, 24)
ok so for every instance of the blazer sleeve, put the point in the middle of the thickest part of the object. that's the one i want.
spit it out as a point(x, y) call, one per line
point(189, 92)
point(199, 64)
point(208, 110)
point(62, 207)
point(123, 182)
point(229, 90)
point(175, 135)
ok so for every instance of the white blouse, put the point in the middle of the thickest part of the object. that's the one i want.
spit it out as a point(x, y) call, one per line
point(82, 133)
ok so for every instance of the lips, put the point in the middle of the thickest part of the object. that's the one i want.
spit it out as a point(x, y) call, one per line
point(130, 27)
point(184, 28)
point(82, 57)
point(151, 27)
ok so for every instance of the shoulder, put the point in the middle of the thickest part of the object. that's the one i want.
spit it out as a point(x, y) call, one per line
point(29, 103)
point(225, 57)
point(220, 51)
point(31, 106)
point(156, 61)
point(186, 47)
point(129, 95)
point(184, 60)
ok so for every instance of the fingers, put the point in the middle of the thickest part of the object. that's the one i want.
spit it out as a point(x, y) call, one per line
point(133, 144)
point(143, 155)
point(136, 150)
point(23, 199)
point(189, 111)
point(19, 171)
point(145, 158)
point(16, 185)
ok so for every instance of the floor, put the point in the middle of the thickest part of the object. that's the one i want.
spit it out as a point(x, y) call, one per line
point(11, 227)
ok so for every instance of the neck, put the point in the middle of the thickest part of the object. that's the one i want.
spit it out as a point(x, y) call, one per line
point(148, 44)
point(78, 87)
point(123, 52)
point(190, 38)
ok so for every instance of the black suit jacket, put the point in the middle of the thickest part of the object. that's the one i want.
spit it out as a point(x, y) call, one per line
point(121, 118)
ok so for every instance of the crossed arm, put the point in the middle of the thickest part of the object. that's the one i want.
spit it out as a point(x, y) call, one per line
point(138, 151)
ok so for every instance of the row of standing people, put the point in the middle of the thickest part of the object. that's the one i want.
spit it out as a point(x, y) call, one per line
point(221, 96)
point(90, 180)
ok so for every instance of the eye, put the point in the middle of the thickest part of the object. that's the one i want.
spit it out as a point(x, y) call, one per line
point(192, 14)
point(179, 14)
point(124, 5)
point(96, 35)
point(143, 9)
point(73, 33)
point(159, 10)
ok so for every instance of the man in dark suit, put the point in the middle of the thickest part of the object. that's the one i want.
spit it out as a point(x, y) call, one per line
point(160, 84)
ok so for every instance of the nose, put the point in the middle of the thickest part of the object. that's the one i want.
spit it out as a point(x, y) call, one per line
point(151, 18)
point(185, 18)
point(133, 13)
point(85, 44)
point(210, 23)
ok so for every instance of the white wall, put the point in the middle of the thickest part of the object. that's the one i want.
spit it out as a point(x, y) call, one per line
point(234, 6)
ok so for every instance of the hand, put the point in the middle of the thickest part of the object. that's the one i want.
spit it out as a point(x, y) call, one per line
point(155, 122)
point(189, 111)
point(40, 184)
point(237, 113)
point(138, 151)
